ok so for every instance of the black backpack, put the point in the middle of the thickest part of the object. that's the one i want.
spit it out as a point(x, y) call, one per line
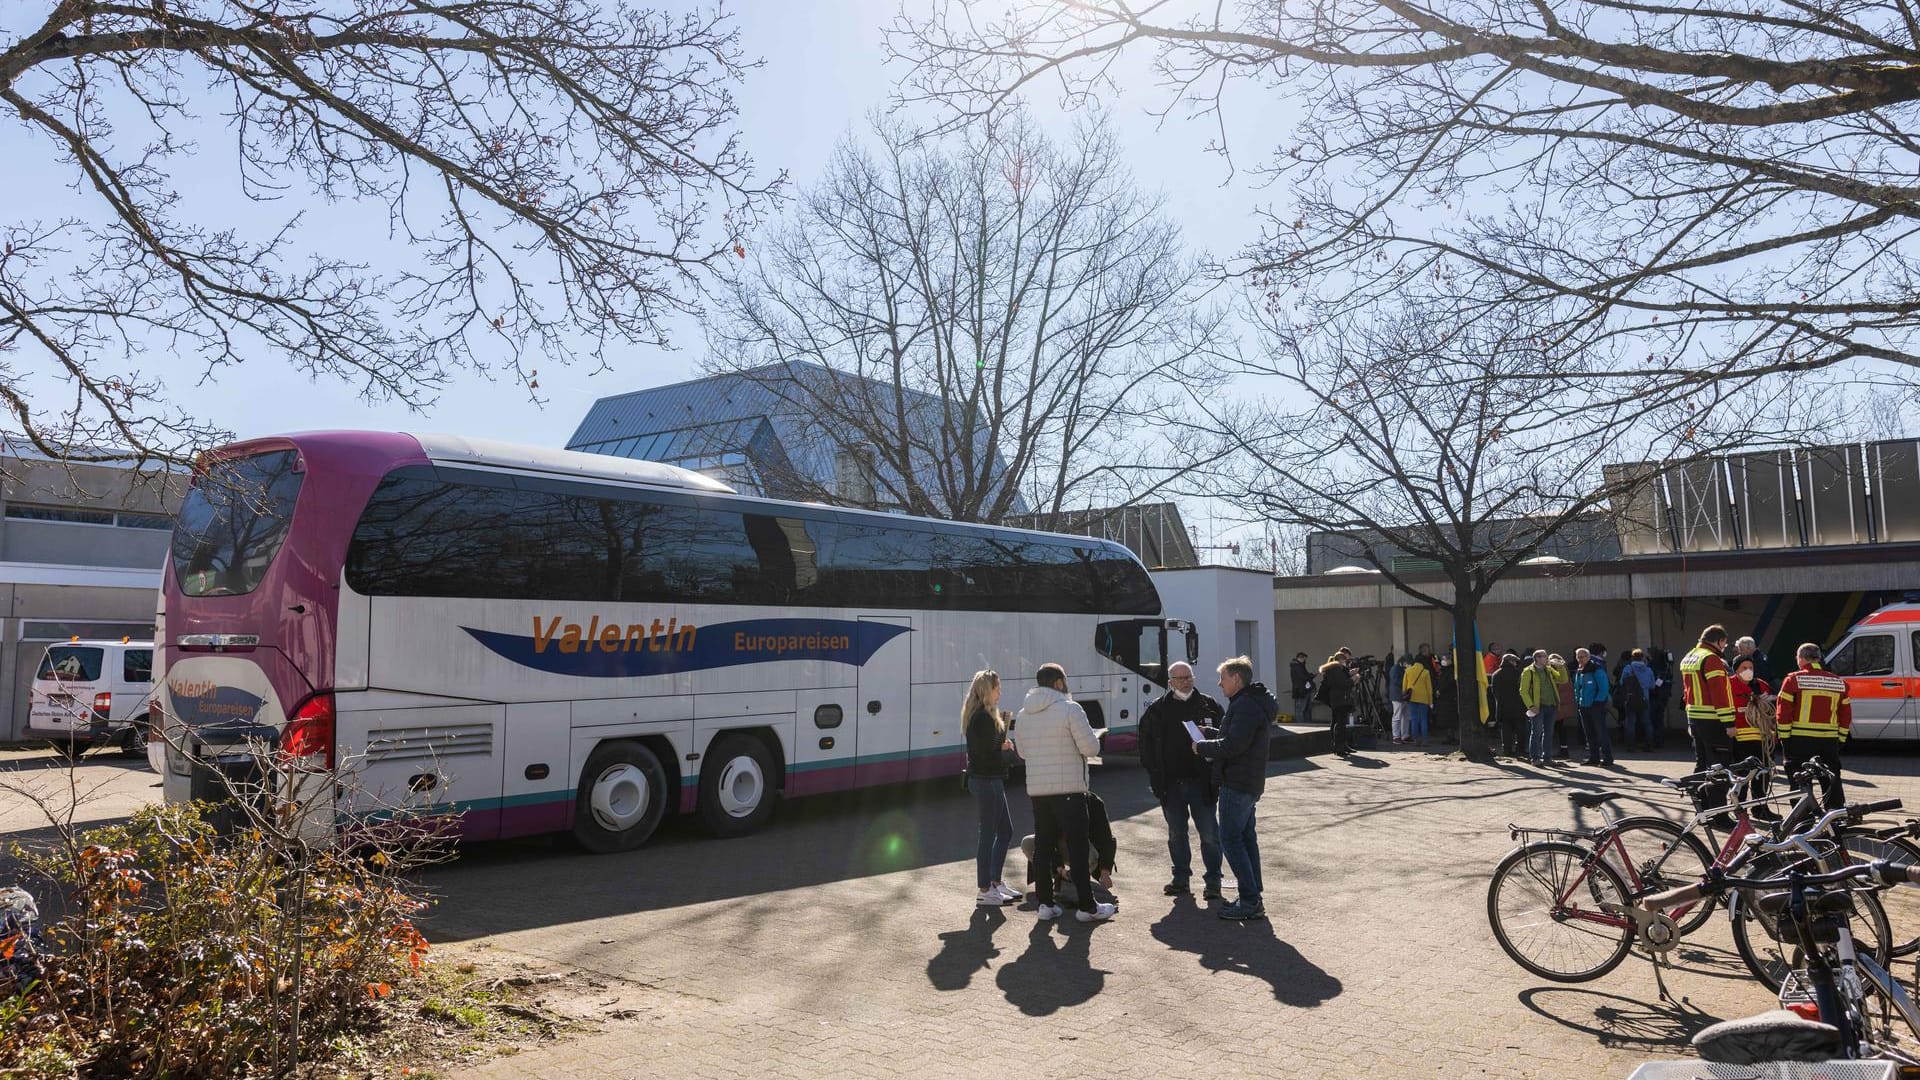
point(1632, 694)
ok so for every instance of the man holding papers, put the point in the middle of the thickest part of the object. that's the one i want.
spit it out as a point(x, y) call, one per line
point(1181, 781)
point(1241, 749)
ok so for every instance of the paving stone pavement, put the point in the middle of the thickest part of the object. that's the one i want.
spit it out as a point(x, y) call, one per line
point(843, 941)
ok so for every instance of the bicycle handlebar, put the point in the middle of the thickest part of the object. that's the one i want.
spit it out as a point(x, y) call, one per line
point(1717, 772)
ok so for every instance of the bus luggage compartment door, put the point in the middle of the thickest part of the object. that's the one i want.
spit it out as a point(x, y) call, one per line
point(397, 762)
point(882, 713)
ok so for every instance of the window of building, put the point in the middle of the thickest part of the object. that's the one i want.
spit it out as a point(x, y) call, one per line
point(73, 515)
point(853, 477)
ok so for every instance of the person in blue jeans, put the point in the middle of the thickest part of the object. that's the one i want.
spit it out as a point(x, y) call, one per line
point(1591, 692)
point(1180, 781)
point(1540, 693)
point(987, 750)
point(1239, 747)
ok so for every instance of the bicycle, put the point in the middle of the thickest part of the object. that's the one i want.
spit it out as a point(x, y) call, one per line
point(1852, 993)
point(1553, 903)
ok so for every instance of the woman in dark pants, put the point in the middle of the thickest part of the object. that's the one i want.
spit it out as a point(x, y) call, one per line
point(987, 747)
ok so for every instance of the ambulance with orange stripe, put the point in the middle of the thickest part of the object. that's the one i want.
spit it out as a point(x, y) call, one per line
point(1878, 659)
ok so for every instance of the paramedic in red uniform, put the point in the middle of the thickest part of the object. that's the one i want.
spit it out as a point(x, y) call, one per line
point(1814, 717)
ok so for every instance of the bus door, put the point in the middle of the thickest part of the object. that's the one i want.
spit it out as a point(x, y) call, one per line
point(883, 719)
point(1877, 684)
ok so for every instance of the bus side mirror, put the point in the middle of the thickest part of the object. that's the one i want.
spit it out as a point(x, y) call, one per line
point(1193, 645)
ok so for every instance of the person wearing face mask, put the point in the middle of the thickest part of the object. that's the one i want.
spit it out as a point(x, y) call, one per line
point(1751, 697)
point(1181, 782)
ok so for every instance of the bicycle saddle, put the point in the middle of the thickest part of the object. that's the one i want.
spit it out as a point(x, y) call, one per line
point(1588, 800)
point(1769, 1037)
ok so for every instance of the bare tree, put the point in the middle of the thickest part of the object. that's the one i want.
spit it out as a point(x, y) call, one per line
point(1464, 437)
point(977, 324)
point(1728, 185)
point(553, 174)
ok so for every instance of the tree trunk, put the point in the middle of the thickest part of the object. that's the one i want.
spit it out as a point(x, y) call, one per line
point(1476, 741)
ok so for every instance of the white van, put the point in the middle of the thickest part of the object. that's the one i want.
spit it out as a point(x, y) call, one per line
point(91, 693)
point(1877, 658)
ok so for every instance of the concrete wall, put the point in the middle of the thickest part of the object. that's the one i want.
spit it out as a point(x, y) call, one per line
point(83, 545)
point(1213, 598)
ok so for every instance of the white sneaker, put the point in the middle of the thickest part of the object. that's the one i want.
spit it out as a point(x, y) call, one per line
point(1100, 913)
point(989, 897)
point(1048, 911)
point(1012, 897)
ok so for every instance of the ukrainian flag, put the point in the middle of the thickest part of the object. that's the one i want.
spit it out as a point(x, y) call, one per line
point(1473, 663)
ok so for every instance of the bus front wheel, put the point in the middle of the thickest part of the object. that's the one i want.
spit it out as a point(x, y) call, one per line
point(622, 797)
point(736, 785)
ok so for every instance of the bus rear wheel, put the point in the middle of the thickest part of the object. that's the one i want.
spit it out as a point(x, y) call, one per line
point(736, 785)
point(622, 797)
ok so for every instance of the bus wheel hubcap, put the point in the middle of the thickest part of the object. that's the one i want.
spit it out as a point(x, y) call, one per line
point(741, 786)
point(620, 798)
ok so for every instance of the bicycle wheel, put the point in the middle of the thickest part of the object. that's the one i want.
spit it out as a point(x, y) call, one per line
point(1544, 906)
point(1889, 1016)
point(1902, 904)
point(1661, 855)
point(1757, 937)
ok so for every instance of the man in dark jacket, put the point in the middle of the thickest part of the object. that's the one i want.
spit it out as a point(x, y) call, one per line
point(1336, 689)
point(1301, 676)
point(1240, 746)
point(1182, 782)
point(1508, 709)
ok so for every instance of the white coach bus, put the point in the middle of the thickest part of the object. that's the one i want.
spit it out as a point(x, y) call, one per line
point(540, 640)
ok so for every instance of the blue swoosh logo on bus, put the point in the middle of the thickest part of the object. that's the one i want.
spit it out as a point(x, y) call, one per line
point(717, 645)
point(221, 705)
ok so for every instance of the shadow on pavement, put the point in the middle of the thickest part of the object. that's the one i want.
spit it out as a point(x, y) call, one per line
point(1246, 948)
point(1618, 1021)
point(1056, 972)
point(546, 881)
point(964, 952)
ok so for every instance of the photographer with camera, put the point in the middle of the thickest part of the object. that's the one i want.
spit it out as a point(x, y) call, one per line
point(1336, 690)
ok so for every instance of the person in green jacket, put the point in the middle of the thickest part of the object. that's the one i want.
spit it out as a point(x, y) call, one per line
point(1540, 693)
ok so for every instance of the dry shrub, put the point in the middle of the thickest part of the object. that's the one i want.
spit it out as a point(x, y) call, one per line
point(182, 952)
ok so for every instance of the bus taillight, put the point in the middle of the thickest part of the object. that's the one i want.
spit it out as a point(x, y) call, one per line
point(309, 734)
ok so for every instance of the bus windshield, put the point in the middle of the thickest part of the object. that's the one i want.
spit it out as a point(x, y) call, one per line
point(233, 522)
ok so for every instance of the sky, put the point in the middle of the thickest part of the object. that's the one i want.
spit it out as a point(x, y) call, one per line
point(824, 72)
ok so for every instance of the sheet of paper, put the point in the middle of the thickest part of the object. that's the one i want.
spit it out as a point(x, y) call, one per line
point(1193, 731)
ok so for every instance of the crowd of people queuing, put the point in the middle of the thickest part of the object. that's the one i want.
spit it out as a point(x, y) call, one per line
point(1206, 764)
point(1206, 761)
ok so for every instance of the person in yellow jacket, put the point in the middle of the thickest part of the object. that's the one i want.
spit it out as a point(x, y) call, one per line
point(1707, 689)
point(1540, 693)
point(1417, 687)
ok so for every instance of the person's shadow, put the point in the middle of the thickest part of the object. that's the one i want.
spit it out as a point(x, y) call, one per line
point(1246, 948)
point(1052, 976)
point(963, 952)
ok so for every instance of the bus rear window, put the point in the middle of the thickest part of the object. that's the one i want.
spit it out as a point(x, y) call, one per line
point(71, 663)
point(233, 522)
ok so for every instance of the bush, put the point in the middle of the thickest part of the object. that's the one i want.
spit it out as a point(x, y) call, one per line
point(183, 953)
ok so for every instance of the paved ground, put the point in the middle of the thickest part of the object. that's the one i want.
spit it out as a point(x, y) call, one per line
point(843, 940)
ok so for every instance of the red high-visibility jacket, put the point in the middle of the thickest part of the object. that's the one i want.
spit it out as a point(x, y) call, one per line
point(1814, 705)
